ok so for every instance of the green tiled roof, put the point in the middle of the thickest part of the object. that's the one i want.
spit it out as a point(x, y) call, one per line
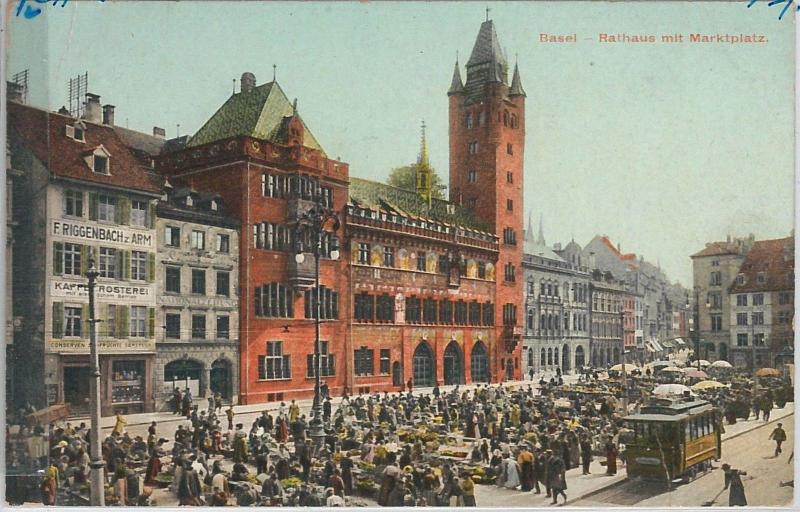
point(260, 113)
point(371, 194)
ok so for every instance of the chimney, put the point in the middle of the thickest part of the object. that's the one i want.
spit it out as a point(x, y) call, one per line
point(108, 115)
point(161, 133)
point(248, 81)
point(92, 112)
point(15, 92)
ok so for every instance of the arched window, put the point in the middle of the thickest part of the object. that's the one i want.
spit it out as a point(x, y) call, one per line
point(530, 320)
point(555, 289)
point(274, 300)
point(549, 357)
point(542, 322)
point(542, 358)
point(555, 356)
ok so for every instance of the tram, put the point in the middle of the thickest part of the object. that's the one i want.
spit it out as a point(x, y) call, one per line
point(672, 439)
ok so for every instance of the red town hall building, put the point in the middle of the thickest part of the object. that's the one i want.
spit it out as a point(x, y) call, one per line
point(425, 291)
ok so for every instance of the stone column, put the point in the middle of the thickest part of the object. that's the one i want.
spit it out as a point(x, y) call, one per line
point(205, 382)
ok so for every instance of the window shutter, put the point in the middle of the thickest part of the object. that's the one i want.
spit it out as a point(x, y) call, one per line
point(151, 215)
point(122, 314)
point(85, 324)
point(123, 210)
point(126, 264)
point(58, 258)
point(84, 259)
point(151, 267)
point(151, 322)
point(92, 206)
point(103, 328)
point(58, 320)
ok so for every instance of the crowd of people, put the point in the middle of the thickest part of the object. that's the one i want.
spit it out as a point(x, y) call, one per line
point(521, 438)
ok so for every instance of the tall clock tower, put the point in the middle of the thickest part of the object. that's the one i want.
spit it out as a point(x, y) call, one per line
point(487, 146)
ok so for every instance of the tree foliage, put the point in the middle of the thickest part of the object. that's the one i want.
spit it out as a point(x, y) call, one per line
point(405, 177)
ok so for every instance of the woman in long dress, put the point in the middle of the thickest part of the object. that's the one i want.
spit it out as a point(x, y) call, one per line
point(733, 479)
point(510, 472)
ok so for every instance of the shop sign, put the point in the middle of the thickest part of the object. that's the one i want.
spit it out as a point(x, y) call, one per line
point(114, 236)
point(648, 461)
point(103, 345)
point(103, 291)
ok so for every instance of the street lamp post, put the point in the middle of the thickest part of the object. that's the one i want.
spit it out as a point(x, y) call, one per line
point(313, 222)
point(97, 484)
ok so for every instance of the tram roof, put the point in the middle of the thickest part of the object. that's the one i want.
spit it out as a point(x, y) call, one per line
point(673, 411)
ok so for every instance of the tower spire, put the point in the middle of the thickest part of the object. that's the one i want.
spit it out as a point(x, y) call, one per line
point(540, 239)
point(423, 172)
point(529, 228)
point(456, 85)
point(516, 83)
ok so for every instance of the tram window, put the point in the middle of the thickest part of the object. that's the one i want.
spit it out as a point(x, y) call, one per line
point(712, 426)
point(706, 426)
point(694, 428)
point(688, 430)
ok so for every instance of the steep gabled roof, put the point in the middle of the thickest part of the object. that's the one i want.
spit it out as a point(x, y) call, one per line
point(259, 113)
point(43, 133)
point(372, 194)
point(774, 260)
point(717, 249)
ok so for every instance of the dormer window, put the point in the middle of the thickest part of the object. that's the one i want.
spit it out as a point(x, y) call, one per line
point(740, 279)
point(761, 278)
point(100, 164)
point(213, 205)
point(99, 160)
point(189, 201)
point(77, 131)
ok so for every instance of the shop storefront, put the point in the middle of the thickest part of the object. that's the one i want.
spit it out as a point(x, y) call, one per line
point(125, 380)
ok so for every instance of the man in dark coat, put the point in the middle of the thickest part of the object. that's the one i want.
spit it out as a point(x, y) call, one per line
point(586, 453)
point(346, 466)
point(779, 436)
point(556, 477)
point(733, 480)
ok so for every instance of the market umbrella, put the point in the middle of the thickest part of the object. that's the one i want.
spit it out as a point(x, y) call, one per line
point(703, 362)
point(656, 364)
point(618, 367)
point(672, 369)
point(694, 373)
point(671, 389)
point(679, 362)
point(708, 384)
point(721, 364)
point(767, 372)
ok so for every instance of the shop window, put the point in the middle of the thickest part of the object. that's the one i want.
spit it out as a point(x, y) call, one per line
point(127, 382)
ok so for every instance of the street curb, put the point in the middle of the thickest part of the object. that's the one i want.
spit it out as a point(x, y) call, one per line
point(612, 485)
point(734, 436)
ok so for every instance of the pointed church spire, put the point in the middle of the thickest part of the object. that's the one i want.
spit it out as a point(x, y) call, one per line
point(456, 85)
point(516, 84)
point(529, 228)
point(423, 171)
point(540, 239)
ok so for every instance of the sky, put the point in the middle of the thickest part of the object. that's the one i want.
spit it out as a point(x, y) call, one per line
point(660, 146)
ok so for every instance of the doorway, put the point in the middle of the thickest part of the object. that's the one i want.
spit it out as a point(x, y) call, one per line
point(453, 365)
point(76, 385)
point(221, 378)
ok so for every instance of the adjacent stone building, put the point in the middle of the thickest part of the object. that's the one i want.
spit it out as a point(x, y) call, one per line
point(606, 294)
point(762, 300)
point(198, 305)
point(714, 270)
point(86, 197)
point(556, 305)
